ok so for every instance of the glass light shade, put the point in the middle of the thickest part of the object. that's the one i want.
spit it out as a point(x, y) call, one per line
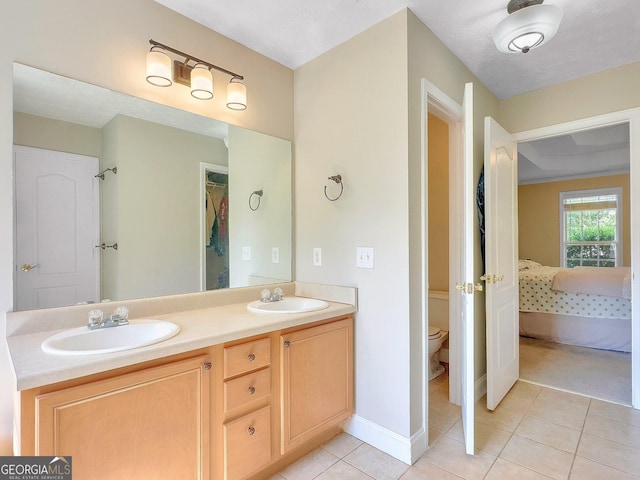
point(527, 28)
point(159, 68)
point(236, 95)
point(201, 82)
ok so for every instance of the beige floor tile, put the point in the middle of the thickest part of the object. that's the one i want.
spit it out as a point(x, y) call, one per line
point(434, 435)
point(521, 397)
point(375, 463)
point(343, 471)
point(500, 418)
point(565, 400)
point(556, 436)
point(615, 412)
point(277, 476)
point(424, 469)
point(567, 417)
point(309, 466)
point(607, 452)
point(504, 470)
point(584, 469)
point(342, 445)
point(487, 438)
point(617, 431)
point(442, 416)
point(449, 455)
point(539, 457)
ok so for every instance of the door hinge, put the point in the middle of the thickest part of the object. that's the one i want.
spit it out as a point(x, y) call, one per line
point(469, 288)
point(491, 278)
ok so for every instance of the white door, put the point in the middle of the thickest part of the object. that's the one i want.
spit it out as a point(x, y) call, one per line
point(57, 228)
point(501, 251)
point(467, 274)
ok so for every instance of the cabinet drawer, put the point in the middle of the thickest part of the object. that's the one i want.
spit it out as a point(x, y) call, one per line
point(247, 388)
point(247, 444)
point(247, 357)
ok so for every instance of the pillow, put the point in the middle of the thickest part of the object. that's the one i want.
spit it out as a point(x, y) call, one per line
point(526, 264)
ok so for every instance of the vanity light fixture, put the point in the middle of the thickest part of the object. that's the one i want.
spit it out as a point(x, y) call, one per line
point(529, 25)
point(197, 75)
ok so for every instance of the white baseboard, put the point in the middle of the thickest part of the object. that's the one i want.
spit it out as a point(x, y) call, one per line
point(481, 387)
point(407, 450)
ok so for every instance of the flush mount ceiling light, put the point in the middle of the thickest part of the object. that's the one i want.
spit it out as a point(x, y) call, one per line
point(197, 76)
point(529, 25)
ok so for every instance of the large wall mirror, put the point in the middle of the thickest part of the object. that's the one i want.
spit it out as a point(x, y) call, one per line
point(192, 204)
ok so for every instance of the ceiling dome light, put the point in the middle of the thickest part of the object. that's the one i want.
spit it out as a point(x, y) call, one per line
point(529, 25)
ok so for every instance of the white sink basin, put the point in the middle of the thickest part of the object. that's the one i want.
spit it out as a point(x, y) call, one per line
point(288, 305)
point(82, 341)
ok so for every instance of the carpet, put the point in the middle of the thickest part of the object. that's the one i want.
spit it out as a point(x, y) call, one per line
point(602, 374)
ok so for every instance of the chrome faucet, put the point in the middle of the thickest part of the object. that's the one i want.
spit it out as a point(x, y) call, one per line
point(119, 317)
point(266, 296)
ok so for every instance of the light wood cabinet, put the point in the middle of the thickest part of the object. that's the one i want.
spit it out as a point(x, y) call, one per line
point(247, 443)
point(316, 380)
point(152, 423)
point(236, 411)
point(247, 408)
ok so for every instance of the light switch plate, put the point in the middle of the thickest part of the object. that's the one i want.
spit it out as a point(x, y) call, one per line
point(246, 253)
point(364, 257)
point(275, 255)
point(317, 257)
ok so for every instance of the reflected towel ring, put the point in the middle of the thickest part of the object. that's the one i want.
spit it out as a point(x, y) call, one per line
point(337, 179)
point(259, 194)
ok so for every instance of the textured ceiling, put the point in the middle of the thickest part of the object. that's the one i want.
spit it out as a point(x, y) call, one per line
point(594, 35)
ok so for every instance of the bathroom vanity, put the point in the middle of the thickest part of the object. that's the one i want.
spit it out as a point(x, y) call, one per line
point(235, 395)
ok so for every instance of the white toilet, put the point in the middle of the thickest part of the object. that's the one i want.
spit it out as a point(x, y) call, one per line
point(436, 339)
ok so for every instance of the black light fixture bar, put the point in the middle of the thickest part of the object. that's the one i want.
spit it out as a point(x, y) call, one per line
point(188, 57)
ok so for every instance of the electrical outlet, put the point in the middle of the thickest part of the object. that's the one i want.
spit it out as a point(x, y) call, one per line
point(317, 257)
point(246, 253)
point(275, 255)
point(364, 257)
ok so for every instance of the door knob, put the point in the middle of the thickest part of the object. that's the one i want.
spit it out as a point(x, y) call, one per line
point(26, 267)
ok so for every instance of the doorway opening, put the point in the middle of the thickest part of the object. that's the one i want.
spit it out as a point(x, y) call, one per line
point(564, 343)
point(630, 117)
point(214, 257)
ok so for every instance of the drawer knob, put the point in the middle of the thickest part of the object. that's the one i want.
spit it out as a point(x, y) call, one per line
point(207, 365)
point(251, 431)
point(287, 344)
point(251, 390)
point(251, 357)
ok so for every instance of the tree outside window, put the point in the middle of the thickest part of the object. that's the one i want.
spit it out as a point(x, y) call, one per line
point(591, 228)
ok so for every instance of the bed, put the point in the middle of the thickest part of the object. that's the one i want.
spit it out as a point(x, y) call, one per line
point(585, 306)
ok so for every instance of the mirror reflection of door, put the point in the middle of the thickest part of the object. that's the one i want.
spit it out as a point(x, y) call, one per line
point(216, 230)
point(57, 229)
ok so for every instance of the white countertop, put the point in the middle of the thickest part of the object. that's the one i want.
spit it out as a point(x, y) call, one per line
point(198, 329)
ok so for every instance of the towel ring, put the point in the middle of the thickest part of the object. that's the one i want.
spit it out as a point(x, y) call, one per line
point(338, 180)
point(259, 194)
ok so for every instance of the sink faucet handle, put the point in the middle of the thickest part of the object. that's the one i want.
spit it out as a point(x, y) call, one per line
point(265, 295)
point(122, 312)
point(278, 293)
point(95, 317)
point(121, 315)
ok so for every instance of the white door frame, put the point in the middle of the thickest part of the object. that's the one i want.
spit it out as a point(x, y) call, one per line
point(436, 102)
point(204, 168)
point(632, 117)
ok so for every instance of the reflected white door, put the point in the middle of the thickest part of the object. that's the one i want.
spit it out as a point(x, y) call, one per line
point(467, 274)
point(57, 228)
point(501, 229)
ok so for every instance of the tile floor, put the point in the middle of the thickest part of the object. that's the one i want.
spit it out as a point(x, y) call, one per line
point(535, 433)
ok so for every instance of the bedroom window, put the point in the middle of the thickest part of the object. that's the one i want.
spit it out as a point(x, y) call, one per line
point(590, 227)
